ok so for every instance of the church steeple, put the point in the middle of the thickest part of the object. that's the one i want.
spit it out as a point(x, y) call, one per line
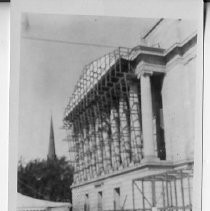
point(51, 150)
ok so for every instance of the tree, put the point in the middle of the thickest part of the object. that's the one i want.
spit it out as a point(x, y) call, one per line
point(46, 179)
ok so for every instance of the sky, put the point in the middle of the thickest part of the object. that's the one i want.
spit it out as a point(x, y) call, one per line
point(54, 49)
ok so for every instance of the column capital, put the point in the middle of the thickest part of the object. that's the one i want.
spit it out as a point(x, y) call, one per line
point(148, 69)
point(144, 73)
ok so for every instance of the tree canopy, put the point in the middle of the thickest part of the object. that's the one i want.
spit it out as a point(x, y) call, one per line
point(46, 179)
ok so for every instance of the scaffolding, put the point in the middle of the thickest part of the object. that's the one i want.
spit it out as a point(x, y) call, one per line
point(94, 94)
point(93, 73)
point(167, 191)
point(104, 114)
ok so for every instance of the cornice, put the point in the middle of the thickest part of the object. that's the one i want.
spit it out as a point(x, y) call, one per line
point(143, 166)
point(154, 60)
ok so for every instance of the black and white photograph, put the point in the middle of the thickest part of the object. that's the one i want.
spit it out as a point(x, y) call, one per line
point(108, 112)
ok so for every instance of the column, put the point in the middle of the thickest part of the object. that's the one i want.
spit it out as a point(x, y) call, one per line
point(136, 133)
point(115, 133)
point(86, 153)
point(80, 146)
point(107, 143)
point(72, 137)
point(89, 141)
point(92, 148)
point(124, 132)
point(99, 144)
point(147, 118)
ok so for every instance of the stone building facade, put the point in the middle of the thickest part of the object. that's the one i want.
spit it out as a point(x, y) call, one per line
point(131, 124)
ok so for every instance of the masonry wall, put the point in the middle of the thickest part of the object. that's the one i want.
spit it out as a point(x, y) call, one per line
point(124, 182)
point(178, 93)
point(178, 90)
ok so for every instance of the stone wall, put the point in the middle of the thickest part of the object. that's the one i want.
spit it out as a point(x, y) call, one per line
point(131, 194)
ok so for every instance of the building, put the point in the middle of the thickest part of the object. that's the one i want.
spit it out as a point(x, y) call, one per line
point(130, 123)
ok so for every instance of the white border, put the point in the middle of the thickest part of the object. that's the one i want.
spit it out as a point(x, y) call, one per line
point(4, 104)
point(206, 114)
point(187, 9)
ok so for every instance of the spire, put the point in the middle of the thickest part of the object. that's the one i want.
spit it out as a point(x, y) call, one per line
point(51, 150)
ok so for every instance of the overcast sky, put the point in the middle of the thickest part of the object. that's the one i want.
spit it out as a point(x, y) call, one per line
point(54, 49)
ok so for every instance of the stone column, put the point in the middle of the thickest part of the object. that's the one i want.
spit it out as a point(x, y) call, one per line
point(99, 144)
point(147, 117)
point(72, 136)
point(86, 153)
point(124, 133)
point(89, 140)
point(107, 144)
point(136, 133)
point(115, 133)
point(93, 149)
point(80, 146)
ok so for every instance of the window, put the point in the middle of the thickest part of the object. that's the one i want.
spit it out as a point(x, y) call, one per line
point(100, 201)
point(117, 199)
point(86, 205)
